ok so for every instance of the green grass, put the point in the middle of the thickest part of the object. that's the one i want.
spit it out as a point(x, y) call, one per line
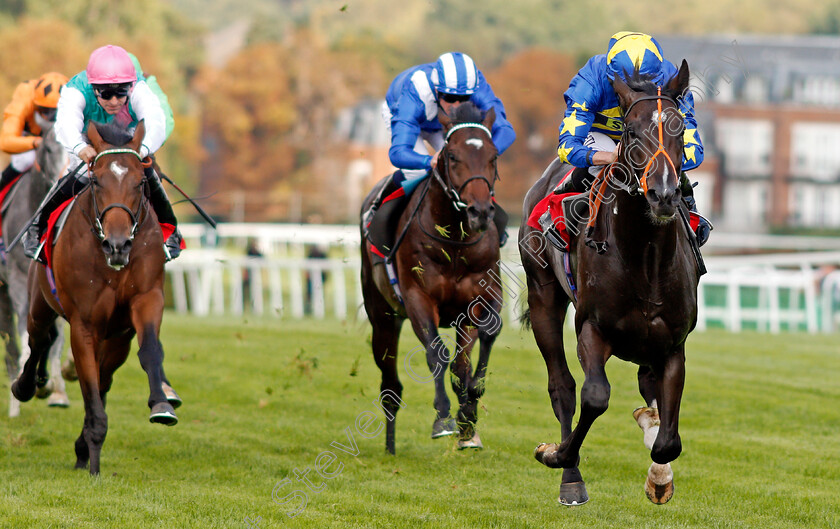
point(760, 427)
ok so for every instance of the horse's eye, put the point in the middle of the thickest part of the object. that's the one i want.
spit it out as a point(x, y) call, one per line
point(631, 132)
point(452, 158)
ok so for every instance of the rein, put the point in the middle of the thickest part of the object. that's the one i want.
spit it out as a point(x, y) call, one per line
point(99, 216)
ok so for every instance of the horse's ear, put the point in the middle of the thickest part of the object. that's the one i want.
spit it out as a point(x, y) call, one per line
point(94, 137)
point(489, 118)
point(444, 119)
point(139, 133)
point(679, 83)
point(626, 95)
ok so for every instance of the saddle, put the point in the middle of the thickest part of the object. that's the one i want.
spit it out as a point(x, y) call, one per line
point(561, 217)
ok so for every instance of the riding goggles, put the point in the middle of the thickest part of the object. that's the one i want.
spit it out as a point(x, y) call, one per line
point(107, 93)
point(47, 113)
point(455, 98)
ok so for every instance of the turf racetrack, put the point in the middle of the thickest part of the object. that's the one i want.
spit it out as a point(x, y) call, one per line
point(760, 425)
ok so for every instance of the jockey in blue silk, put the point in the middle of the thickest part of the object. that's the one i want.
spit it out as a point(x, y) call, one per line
point(594, 122)
point(411, 110)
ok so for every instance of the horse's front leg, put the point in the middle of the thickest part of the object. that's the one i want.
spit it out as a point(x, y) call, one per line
point(461, 379)
point(84, 340)
point(670, 381)
point(41, 334)
point(146, 315)
point(593, 352)
point(424, 320)
point(659, 484)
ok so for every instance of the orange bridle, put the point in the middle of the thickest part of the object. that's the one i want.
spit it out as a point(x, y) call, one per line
point(661, 149)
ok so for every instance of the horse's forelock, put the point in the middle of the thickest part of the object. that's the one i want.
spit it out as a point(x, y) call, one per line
point(644, 83)
point(467, 113)
point(113, 134)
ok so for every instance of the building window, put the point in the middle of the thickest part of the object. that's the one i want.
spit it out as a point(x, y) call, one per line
point(814, 152)
point(746, 145)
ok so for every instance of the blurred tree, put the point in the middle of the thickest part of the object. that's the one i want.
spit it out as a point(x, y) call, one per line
point(531, 85)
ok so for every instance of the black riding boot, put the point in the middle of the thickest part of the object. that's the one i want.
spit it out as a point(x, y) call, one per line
point(163, 210)
point(57, 196)
point(379, 220)
point(579, 181)
point(704, 227)
point(9, 174)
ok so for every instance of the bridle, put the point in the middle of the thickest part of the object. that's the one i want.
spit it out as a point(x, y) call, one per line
point(642, 182)
point(449, 189)
point(99, 216)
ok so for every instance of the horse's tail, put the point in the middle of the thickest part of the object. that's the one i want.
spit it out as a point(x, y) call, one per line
point(525, 319)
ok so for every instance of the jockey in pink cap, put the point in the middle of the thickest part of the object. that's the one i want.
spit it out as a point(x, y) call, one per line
point(111, 89)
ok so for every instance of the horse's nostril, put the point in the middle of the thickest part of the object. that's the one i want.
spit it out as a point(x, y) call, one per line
point(107, 248)
point(126, 247)
point(472, 211)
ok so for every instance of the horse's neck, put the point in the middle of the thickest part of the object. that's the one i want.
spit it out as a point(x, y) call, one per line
point(39, 185)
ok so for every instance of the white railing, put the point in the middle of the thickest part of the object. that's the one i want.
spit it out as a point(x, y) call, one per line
point(769, 292)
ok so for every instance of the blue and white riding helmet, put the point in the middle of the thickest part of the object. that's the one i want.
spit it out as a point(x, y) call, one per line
point(628, 51)
point(455, 73)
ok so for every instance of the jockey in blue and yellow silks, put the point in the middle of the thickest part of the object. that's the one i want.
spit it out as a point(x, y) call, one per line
point(593, 122)
point(410, 111)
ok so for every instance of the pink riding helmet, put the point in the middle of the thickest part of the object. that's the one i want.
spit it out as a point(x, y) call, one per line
point(110, 65)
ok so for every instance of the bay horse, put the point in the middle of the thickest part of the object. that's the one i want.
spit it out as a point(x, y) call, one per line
point(636, 288)
point(23, 199)
point(108, 266)
point(449, 246)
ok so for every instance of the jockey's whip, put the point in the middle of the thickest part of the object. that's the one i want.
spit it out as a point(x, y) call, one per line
point(54, 190)
point(198, 208)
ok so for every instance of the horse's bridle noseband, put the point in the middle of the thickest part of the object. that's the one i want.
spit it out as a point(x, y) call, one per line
point(99, 216)
point(450, 191)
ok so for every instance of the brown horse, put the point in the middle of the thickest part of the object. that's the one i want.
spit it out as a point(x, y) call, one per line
point(108, 269)
point(450, 246)
point(636, 282)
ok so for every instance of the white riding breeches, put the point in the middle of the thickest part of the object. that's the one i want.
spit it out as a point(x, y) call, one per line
point(23, 161)
point(599, 142)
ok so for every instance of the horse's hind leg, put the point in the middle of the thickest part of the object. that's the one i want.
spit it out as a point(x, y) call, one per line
point(8, 333)
point(547, 305)
point(41, 336)
point(58, 397)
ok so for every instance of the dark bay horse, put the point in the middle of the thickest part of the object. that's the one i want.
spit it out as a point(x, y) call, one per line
point(108, 265)
point(637, 300)
point(450, 246)
point(23, 200)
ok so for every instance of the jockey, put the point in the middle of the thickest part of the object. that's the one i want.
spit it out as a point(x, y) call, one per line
point(110, 89)
point(31, 109)
point(594, 122)
point(410, 112)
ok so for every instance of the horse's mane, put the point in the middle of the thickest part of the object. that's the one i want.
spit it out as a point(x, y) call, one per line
point(113, 134)
point(466, 112)
point(644, 83)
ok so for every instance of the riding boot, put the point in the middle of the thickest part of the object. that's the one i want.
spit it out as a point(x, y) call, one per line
point(704, 227)
point(8, 175)
point(163, 210)
point(57, 196)
point(379, 220)
point(500, 219)
point(577, 182)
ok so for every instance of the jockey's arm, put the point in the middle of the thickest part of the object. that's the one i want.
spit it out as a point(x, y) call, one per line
point(693, 145)
point(12, 139)
point(484, 99)
point(147, 107)
point(578, 119)
point(405, 129)
point(70, 121)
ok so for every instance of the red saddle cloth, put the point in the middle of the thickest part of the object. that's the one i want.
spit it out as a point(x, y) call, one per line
point(3, 193)
point(553, 204)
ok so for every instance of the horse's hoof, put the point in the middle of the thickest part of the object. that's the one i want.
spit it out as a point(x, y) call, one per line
point(473, 442)
point(171, 395)
point(163, 413)
point(22, 394)
point(444, 427)
point(573, 494)
point(541, 449)
point(68, 371)
point(14, 406)
point(44, 390)
point(646, 417)
point(58, 399)
point(659, 494)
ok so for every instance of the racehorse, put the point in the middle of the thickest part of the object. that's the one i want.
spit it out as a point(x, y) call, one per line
point(23, 200)
point(636, 280)
point(449, 246)
point(108, 269)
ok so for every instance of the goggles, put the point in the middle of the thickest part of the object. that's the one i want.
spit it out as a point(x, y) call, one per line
point(455, 98)
point(107, 92)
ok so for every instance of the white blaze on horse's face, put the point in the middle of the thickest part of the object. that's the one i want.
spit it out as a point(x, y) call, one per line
point(475, 142)
point(118, 170)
